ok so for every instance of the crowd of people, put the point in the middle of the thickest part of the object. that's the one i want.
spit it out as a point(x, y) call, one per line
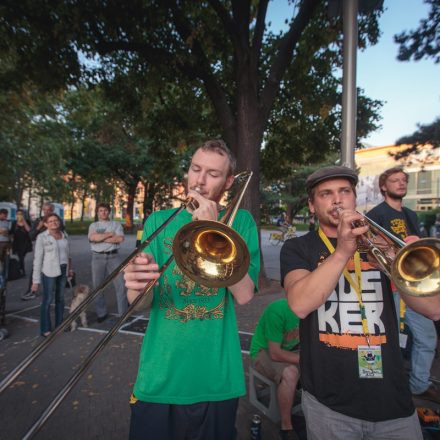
point(52, 269)
point(337, 334)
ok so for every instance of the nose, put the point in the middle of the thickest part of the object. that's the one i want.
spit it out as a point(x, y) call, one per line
point(201, 178)
point(336, 198)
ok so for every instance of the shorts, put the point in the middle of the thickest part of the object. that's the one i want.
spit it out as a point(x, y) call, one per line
point(267, 367)
point(197, 421)
point(324, 423)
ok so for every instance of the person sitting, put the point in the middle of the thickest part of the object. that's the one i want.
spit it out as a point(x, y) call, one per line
point(274, 355)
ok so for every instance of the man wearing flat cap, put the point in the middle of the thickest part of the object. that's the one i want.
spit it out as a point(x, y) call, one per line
point(354, 383)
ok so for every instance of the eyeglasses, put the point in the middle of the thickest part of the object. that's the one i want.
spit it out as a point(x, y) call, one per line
point(53, 221)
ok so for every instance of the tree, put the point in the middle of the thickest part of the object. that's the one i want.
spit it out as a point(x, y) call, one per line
point(30, 145)
point(221, 47)
point(428, 134)
point(425, 40)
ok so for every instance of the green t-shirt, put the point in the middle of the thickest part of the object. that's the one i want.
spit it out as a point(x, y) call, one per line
point(277, 324)
point(191, 350)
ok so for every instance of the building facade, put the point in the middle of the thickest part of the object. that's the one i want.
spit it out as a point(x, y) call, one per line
point(423, 167)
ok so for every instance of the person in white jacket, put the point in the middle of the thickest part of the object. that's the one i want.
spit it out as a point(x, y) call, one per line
point(51, 266)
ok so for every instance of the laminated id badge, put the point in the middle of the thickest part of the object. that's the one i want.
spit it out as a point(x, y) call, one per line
point(403, 340)
point(370, 362)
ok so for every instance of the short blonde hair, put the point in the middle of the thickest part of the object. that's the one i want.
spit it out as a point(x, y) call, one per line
point(219, 146)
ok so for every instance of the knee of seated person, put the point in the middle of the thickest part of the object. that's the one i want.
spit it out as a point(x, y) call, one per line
point(291, 375)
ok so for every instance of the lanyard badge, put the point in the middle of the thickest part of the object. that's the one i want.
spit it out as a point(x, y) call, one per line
point(369, 357)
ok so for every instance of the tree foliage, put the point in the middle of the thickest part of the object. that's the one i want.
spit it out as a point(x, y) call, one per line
point(423, 42)
point(428, 134)
point(222, 50)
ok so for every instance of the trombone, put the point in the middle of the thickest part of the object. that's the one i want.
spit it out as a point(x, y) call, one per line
point(211, 253)
point(414, 268)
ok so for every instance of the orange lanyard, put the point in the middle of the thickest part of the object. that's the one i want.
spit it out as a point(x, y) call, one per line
point(355, 284)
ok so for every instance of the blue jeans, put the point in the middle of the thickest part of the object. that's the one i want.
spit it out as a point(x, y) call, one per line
point(51, 284)
point(424, 337)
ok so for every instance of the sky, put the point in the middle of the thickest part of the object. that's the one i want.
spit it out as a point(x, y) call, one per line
point(410, 90)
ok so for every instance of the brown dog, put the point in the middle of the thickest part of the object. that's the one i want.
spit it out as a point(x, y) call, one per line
point(79, 295)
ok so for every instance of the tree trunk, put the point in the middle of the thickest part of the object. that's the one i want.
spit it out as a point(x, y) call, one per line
point(249, 138)
point(72, 206)
point(83, 203)
point(130, 206)
point(150, 189)
point(29, 199)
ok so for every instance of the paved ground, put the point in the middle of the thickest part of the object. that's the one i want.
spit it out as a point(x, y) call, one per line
point(97, 408)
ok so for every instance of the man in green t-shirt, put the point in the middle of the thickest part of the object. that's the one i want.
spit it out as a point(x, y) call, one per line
point(190, 370)
point(274, 355)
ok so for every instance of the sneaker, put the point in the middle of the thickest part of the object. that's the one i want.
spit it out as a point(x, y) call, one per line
point(432, 394)
point(288, 435)
point(27, 296)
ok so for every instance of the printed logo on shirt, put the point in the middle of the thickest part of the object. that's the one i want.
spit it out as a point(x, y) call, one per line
point(193, 301)
point(339, 319)
point(398, 227)
point(191, 310)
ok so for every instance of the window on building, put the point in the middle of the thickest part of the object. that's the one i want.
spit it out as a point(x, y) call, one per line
point(424, 182)
point(412, 184)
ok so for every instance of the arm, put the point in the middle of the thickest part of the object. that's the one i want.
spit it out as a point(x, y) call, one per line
point(26, 226)
point(117, 236)
point(426, 306)
point(38, 262)
point(306, 290)
point(243, 291)
point(99, 238)
point(138, 273)
point(114, 239)
point(278, 354)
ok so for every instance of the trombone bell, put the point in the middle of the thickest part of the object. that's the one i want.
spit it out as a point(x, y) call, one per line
point(416, 268)
point(211, 253)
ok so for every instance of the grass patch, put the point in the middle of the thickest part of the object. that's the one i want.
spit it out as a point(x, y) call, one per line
point(78, 228)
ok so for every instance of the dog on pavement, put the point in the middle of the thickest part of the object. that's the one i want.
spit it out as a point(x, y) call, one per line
point(79, 295)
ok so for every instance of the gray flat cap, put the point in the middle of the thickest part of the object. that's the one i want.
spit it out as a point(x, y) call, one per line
point(332, 172)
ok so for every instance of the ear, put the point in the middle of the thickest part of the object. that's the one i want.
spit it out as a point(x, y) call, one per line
point(229, 182)
point(311, 207)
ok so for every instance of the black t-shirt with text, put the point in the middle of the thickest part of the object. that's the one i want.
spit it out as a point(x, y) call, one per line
point(399, 223)
point(331, 334)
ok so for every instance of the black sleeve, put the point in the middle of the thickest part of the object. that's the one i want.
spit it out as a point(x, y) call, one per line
point(376, 215)
point(412, 220)
point(13, 227)
point(293, 256)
